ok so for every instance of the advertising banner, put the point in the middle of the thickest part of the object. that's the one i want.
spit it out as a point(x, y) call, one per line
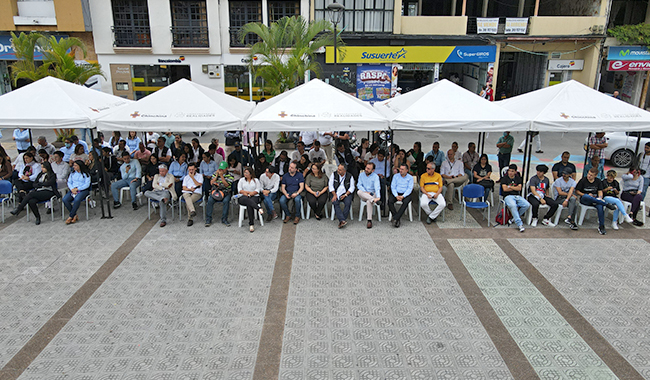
point(374, 82)
point(414, 54)
point(487, 25)
point(628, 66)
point(516, 25)
point(566, 64)
point(628, 53)
point(7, 51)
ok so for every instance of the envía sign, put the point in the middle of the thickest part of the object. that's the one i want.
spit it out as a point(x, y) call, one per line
point(628, 66)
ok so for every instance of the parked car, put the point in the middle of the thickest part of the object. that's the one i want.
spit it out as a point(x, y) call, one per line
point(621, 146)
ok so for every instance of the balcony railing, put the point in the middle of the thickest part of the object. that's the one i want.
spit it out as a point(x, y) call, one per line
point(190, 36)
point(250, 38)
point(132, 36)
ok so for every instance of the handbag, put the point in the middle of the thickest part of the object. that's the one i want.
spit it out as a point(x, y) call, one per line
point(217, 195)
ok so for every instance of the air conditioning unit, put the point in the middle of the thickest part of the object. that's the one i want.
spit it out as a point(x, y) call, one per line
point(214, 71)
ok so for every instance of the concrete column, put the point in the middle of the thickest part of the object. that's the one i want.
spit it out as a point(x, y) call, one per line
point(453, 8)
point(485, 8)
point(520, 9)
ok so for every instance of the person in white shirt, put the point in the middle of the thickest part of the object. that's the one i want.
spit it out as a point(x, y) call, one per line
point(270, 182)
point(453, 172)
point(152, 139)
point(308, 137)
point(316, 154)
point(192, 191)
point(457, 154)
point(249, 189)
point(326, 139)
point(300, 150)
point(61, 169)
point(341, 186)
point(27, 170)
point(43, 144)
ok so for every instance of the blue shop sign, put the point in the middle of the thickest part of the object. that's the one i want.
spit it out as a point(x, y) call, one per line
point(472, 54)
point(628, 53)
point(7, 51)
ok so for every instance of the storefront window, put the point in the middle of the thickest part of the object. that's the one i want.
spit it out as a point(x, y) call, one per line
point(236, 84)
point(148, 79)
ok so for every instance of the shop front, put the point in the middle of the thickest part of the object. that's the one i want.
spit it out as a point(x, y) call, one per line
point(625, 71)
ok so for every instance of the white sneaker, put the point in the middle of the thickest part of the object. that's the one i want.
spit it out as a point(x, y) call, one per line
point(628, 219)
point(533, 222)
point(614, 226)
point(547, 222)
point(521, 228)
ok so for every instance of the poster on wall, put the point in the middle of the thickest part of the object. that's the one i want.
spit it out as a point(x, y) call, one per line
point(487, 25)
point(394, 78)
point(374, 82)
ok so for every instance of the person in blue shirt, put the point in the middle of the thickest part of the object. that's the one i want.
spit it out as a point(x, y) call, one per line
point(208, 167)
point(291, 187)
point(401, 188)
point(79, 185)
point(179, 170)
point(21, 137)
point(133, 142)
point(67, 149)
point(383, 172)
point(368, 189)
point(131, 172)
point(437, 155)
point(75, 140)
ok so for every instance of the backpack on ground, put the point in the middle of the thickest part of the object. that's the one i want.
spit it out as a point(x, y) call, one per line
point(503, 218)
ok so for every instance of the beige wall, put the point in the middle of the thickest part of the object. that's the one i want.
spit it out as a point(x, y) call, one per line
point(8, 9)
point(69, 17)
point(434, 25)
point(563, 25)
point(87, 39)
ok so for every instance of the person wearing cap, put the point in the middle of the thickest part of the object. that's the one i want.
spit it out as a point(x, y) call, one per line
point(565, 187)
point(163, 191)
point(511, 185)
point(131, 172)
point(221, 181)
point(539, 187)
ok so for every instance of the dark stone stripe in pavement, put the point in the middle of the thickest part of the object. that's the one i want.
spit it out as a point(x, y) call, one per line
point(17, 365)
point(512, 355)
point(543, 232)
point(267, 365)
point(615, 361)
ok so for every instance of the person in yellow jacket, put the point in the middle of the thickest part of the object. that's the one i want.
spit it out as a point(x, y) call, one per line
point(431, 190)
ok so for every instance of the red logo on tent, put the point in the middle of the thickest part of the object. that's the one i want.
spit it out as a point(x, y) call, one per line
point(135, 114)
point(564, 115)
point(282, 114)
point(94, 109)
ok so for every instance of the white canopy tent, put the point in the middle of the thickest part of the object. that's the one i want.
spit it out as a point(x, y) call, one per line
point(318, 106)
point(183, 106)
point(54, 103)
point(445, 106)
point(573, 107)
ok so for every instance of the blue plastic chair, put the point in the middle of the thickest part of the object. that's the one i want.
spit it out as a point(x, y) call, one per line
point(6, 188)
point(181, 200)
point(474, 191)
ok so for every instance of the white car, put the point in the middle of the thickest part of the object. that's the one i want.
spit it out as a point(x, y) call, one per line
point(621, 146)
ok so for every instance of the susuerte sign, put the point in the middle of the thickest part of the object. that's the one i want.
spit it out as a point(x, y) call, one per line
point(628, 66)
point(628, 53)
point(413, 54)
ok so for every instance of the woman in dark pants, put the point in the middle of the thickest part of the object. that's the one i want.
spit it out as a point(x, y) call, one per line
point(249, 189)
point(44, 189)
point(316, 186)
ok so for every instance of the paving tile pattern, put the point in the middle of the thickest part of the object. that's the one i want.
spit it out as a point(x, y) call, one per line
point(187, 303)
point(551, 345)
point(607, 282)
point(379, 304)
point(41, 267)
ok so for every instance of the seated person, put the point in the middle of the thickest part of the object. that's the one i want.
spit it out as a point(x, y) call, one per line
point(192, 191)
point(401, 189)
point(161, 151)
point(242, 156)
point(565, 187)
point(431, 188)
point(341, 188)
point(249, 188)
point(260, 166)
point(470, 159)
point(79, 154)
point(511, 185)
point(6, 169)
point(179, 171)
point(207, 167)
point(43, 155)
point(590, 191)
point(43, 144)
point(26, 172)
point(633, 192)
point(454, 175)
point(234, 168)
point(111, 165)
point(270, 182)
point(163, 191)
point(299, 152)
point(61, 169)
point(119, 150)
point(316, 186)
point(67, 149)
point(75, 141)
point(220, 182)
point(131, 173)
point(44, 189)
point(457, 153)
point(347, 157)
point(482, 173)
point(149, 171)
point(382, 171)
point(437, 155)
point(594, 163)
point(611, 190)
point(281, 163)
point(291, 187)
point(369, 190)
point(142, 154)
point(197, 150)
point(559, 167)
point(79, 186)
point(317, 154)
point(539, 187)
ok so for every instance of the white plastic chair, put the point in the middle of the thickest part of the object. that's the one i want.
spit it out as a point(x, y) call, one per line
point(180, 202)
point(363, 205)
point(308, 212)
point(583, 211)
point(242, 214)
point(351, 212)
point(628, 207)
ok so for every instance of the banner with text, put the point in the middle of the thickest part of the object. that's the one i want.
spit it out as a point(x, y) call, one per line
point(487, 25)
point(628, 53)
point(414, 54)
point(374, 82)
point(628, 66)
point(516, 25)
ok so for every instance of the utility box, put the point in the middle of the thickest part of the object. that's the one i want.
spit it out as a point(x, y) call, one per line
point(214, 71)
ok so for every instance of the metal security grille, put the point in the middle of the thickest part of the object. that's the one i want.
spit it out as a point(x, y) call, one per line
point(131, 18)
point(361, 16)
point(280, 9)
point(241, 13)
point(189, 23)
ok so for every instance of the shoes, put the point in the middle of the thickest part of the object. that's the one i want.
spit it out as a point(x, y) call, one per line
point(568, 221)
point(190, 222)
point(275, 215)
point(521, 228)
point(286, 219)
point(628, 219)
point(37, 221)
point(318, 217)
point(192, 214)
point(49, 211)
point(520, 150)
point(601, 230)
point(226, 223)
point(68, 221)
point(429, 220)
point(343, 223)
point(450, 206)
point(251, 229)
point(539, 151)
point(14, 212)
point(296, 220)
point(269, 217)
point(533, 223)
point(573, 226)
point(117, 205)
point(614, 226)
point(547, 222)
point(369, 225)
point(207, 224)
point(135, 206)
point(75, 219)
point(163, 224)
point(397, 223)
point(637, 223)
point(610, 206)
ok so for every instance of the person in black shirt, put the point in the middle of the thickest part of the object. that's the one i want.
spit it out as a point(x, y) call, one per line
point(590, 191)
point(559, 167)
point(511, 185)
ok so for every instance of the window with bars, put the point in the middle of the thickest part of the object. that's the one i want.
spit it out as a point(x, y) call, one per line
point(280, 9)
point(189, 23)
point(361, 16)
point(131, 23)
point(241, 13)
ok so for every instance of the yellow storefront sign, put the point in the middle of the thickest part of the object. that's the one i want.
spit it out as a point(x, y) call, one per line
point(390, 54)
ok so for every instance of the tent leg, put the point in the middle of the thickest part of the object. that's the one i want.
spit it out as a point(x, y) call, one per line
point(478, 143)
point(636, 150)
point(523, 162)
point(530, 153)
point(31, 140)
point(586, 156)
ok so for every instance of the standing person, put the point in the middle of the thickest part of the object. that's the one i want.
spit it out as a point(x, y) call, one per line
point(221, 182)
point(79, 185)
point(326, 139)
point(131, 172)
point(342, 137)
point(249, 187)
point(505, 144)
point(590, 191)
point(437, 154)
point(43, 144)
point(454, 175)
point(643, 163)
point(44, 189)
point(633, 192)
point(316, 185)
point(536, 139)
point(511, 185)
point(539, 187)
point(270, 182)
point(565, 187)
point(597, 144)
point(21, 137)
point(163, 191)
point(489, 93)
point(232, 137)
point(368, 190)
point(611, 190)
point(401, 189)
point(291, 187)
point(192, 191)
point(559, 167)
point(269, 152)
point(308, 138)
point(341, 187)
point(431, 189)
point(316, 154)
point(470, 159)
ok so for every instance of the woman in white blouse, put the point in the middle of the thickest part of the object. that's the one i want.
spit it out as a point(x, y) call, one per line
point(249, 189)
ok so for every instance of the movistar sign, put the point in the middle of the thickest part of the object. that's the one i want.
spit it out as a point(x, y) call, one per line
point(628, 53)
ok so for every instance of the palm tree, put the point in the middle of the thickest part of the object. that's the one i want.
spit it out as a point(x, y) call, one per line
point(287, 49)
